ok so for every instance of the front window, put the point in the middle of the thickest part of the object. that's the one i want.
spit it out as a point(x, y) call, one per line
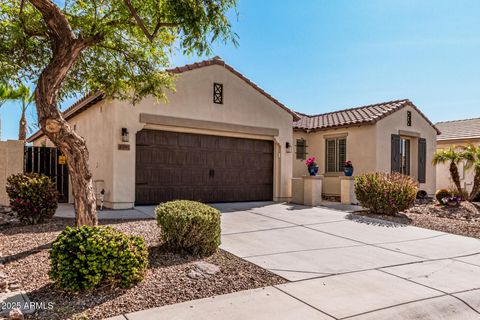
point(405, 156)
point(336, 154)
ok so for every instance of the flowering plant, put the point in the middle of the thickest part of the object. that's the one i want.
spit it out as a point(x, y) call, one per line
point(452, 201)
point(348, 164)
point(311, 162)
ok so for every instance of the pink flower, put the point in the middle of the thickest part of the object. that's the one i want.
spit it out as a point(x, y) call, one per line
point(310, 162)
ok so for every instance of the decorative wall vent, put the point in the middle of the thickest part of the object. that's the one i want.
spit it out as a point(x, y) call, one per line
point(218, 93)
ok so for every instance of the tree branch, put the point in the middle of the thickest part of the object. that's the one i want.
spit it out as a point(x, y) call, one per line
point(141, 24)
point(55, 20)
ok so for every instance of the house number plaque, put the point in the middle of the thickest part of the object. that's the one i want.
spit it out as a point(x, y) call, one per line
point(123, 146)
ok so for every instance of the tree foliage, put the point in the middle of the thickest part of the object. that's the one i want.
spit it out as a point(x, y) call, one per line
point(452, 156)
point(129, 42)
point(471, 154)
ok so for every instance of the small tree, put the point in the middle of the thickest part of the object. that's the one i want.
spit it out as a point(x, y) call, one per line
point(472, 156)
point(23, 94)
point(119, 47)
point(453, 157)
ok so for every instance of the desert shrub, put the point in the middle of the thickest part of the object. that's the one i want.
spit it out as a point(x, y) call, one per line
point(88, 257)
point(385, 193)
point(442, 194)
point(33, 197)
point(189, 226)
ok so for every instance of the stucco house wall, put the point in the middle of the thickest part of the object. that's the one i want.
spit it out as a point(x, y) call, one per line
point(396, 123)
point(102, 123)
point(369, 148)
point(11, 162)
point(360, 150)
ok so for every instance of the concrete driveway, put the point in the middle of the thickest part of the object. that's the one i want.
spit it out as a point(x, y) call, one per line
point(340, 267)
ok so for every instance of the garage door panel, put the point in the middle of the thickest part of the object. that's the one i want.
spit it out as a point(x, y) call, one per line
point(206, 168)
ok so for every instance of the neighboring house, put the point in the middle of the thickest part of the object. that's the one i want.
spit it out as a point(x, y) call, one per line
point(389, 136)
point(457, 133)
point(219, 138)
point(222, 138)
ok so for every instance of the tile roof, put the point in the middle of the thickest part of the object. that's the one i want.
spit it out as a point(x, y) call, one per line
point(357, 116)
point(459, 129)
point(89, 100)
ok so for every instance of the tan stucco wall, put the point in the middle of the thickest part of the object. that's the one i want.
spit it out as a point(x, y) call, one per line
point(243, 105)
point(11, 162)
point(369, 148)
point(444, 180)
point(96, 126)
point(360, 150)
point(397, 122)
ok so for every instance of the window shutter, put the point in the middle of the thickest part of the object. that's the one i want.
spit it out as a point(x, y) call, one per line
point(407, 156)
point(342, 153)
point(422, 160)
point(301, 147)
point(330, 155)
point(395, 158)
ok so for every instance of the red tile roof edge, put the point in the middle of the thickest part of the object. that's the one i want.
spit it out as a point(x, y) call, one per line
point(90, 99)
point(374, 119)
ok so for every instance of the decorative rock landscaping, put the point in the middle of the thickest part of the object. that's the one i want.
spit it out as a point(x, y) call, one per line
point(462, 220)
point(167, 280)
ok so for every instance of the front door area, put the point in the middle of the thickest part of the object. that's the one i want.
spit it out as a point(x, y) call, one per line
point(206, 168)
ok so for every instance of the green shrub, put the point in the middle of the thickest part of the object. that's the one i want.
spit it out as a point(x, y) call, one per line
point(189, 226)
point(33, 197)
point(441, 194)
point(87, 257)
point(385, 193)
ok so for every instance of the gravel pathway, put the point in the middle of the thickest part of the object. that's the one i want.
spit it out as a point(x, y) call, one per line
point(25, 249)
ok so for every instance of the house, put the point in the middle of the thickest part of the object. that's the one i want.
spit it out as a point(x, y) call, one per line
point(389, 136)
point(456, 134)
point(221, 138)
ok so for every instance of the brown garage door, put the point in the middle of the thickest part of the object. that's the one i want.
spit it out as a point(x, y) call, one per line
point(171, 165)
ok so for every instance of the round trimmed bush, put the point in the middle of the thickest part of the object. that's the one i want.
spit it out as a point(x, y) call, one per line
point(88, 257)
point(385, 193)
point(189, 226)
point(442, 193)
point(33, 197)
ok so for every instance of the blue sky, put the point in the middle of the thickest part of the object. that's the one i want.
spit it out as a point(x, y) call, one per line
point(318, 56)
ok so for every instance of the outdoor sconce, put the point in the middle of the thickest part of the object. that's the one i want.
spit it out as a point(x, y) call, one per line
point(288, 147)
point(124, 135)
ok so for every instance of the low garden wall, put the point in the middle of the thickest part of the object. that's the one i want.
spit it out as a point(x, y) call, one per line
point(11, 162)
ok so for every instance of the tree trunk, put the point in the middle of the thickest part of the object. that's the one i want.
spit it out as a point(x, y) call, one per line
point(66, 48)
point(22, 131)
point(476, 185)
point(455, 176)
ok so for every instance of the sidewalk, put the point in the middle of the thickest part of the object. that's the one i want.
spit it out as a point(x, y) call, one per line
point(65, 210)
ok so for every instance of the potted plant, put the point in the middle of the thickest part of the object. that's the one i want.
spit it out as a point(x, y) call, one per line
point(312, 166)
point(348, 168)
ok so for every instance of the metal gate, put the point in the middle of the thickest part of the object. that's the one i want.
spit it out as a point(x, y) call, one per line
point(50, 162)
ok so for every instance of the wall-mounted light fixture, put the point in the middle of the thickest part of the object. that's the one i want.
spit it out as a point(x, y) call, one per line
point(124, 135)
point(288, 147)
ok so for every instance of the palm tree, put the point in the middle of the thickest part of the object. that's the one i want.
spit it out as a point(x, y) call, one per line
point(26, 98)
point(472, 156)
point(452, 156)
point(4, 93)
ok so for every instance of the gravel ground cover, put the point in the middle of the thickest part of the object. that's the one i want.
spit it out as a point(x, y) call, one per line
point(462, 220)
point(25, 250)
